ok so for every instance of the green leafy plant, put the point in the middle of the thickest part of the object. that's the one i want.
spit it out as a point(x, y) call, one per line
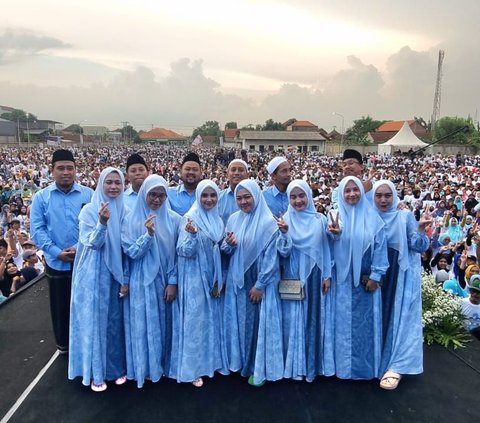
point(442, 317)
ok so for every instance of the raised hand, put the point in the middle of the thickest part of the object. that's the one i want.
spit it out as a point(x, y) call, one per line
point(425, 220)
point(334, 225)
point(282, 225)
point(230, 239)
point(150, 224)
point(104, 213)
point(190, 227)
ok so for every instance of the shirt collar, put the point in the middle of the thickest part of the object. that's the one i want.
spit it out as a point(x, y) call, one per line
point(75, 187)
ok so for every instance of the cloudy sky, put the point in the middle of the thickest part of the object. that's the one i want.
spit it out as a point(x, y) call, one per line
point(177, 64)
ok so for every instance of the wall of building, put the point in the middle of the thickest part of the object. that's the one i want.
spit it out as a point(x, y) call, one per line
point(333, 149)
point(8, 139)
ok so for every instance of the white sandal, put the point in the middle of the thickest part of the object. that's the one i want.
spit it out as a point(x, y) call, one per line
point(198, 383)
point(121, 380)
point(98, 388)
point(390, 380)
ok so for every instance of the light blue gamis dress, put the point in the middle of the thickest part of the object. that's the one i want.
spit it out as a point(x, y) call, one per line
point(97, 342)
point(253, 332)
point(149, 319)
point(402, 290)
point(201, 349)
point(359, 252)
point(305, 253)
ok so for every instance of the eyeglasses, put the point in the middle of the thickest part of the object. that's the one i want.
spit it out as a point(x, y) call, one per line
point(155, 196)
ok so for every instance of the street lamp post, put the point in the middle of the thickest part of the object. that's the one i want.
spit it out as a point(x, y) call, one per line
point(343, 126)
point(28, 132)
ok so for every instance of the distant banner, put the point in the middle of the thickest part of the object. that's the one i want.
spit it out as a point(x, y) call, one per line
point(54, 140)
point(198, 141)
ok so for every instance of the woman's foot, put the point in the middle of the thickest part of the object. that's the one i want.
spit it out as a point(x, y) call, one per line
point(98, 388)
point(390, 380)
point(121, 380)
point(198, 383)
point(252, 383)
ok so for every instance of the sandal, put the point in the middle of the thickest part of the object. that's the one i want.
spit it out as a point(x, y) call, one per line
point(98, 388)
point(198, 383)
point(121, 380)
point(390, 380)
point(252, 383)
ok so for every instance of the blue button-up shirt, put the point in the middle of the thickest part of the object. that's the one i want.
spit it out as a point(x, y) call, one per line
point(129, 197)
point(54, 221)
point(227, 204)
point(277, 201)
point(180, 199)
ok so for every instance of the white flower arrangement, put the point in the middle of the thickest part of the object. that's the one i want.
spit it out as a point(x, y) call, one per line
point(442, 317)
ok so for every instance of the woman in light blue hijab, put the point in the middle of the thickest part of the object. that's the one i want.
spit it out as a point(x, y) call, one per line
point(360, 255)
point(201, 349)
point(97, 343)
point(306, 256)
point(151, 234)
point(402, 351)
point(252, 312)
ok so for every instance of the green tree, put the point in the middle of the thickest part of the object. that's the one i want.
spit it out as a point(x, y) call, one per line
point(128, 133)
point(210, 127)
point(457, 125)
point(270, 125)
point(231, 125)
point(358, 133)
point(19, 115)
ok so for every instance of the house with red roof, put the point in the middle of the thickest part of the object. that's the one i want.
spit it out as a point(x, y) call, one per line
point(162, 136)
point(300, 125)
point(230, 134)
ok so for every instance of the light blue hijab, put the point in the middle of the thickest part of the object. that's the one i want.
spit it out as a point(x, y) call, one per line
point(454, 230)
point(253, 231)
point(306, 229)
point(161, 255)
point(210, 223)
point(113, 245)
point(395, 224)
point(360, 223)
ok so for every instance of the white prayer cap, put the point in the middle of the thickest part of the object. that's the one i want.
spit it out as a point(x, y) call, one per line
point(274, 163)
point(240, 161)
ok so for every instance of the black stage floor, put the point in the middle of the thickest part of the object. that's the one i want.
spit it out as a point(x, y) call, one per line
point(446, 392)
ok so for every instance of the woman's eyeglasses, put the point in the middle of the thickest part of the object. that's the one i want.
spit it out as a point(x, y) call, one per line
point(156, 196)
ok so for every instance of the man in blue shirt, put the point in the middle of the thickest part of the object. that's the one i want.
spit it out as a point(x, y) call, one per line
point(182, 196)
point(137, 172)
point(54, 226)
point(280, 172)
point(227, 204)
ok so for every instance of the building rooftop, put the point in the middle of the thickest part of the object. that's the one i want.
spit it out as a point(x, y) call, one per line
point(157, 133)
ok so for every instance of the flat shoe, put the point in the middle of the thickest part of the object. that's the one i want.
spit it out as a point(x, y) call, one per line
point(198, 383)
point(252, 383)
point(98, 388)
point(390, 380)
point(120, 380)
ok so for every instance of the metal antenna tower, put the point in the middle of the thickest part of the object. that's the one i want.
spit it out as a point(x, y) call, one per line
point(438, 91)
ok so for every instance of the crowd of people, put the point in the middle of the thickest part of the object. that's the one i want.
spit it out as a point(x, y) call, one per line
point(275, 266)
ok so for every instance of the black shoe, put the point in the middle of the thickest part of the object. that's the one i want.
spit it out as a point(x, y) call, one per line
point(62, 351)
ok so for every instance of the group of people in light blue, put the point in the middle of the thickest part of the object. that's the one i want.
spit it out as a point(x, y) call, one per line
point(157, 294)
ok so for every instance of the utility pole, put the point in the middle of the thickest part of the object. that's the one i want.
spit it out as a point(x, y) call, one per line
point(438, 92)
